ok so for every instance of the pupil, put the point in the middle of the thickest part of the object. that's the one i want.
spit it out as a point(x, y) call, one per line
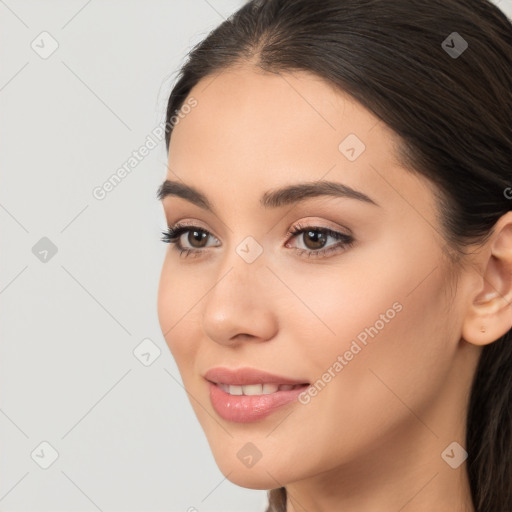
point(316, 235)
point(193, 234)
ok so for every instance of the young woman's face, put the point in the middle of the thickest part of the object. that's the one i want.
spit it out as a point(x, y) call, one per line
point(370, 318)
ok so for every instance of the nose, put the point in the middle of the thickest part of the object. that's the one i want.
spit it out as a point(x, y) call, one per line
point(239, 306)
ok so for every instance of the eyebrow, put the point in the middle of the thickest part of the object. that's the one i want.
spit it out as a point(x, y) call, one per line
point(276, 198)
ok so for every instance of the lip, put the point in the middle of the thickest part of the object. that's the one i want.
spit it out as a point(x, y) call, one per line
point(245, 376)
point(248, 408)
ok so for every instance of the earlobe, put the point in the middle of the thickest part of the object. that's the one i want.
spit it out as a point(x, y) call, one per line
point(490, 310)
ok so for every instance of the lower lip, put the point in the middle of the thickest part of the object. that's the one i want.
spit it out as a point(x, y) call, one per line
point(247, 408)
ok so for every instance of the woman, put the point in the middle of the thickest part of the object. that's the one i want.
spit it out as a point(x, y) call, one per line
point(337, 293)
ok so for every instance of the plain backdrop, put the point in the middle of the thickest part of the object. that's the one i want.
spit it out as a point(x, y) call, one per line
point(92, 413)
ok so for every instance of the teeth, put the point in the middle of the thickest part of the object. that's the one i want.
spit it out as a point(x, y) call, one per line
point(236, 390)
point(252, 389)
point(269, 388)
point(256, 389)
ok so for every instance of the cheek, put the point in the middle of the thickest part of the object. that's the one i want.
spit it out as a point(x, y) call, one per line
point(392, 345)
point(358, 408)
point(177, 307)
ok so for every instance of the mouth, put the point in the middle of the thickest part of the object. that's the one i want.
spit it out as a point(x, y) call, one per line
point(246, 395)
point(246, 380)
point(257, 389)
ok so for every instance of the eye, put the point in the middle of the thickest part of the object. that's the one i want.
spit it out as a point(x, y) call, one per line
point(196, 237)
point(315, 238)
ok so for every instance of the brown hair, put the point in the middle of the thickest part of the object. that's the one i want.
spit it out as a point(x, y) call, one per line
point(451, 106)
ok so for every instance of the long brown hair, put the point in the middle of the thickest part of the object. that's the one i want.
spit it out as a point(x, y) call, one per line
point(451, 105)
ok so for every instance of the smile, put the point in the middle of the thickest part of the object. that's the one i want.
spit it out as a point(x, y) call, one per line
point(257, 389)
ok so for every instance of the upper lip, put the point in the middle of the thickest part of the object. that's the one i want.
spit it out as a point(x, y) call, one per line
point(246, 376)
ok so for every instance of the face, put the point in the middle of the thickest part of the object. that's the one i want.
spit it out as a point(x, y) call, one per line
point(355, 306)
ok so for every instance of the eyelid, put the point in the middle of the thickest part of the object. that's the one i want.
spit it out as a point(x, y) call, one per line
point(315, 223)
point(303, 223)
point(190, 224)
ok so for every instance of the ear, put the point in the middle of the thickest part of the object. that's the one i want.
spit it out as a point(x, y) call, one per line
point(490, 308)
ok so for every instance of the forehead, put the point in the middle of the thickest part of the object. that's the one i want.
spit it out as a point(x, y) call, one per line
point(252, 130)
point(248, 109)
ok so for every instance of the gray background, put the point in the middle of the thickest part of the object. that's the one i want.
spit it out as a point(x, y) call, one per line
point(125, 433)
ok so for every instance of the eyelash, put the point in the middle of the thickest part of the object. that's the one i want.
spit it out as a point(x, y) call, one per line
point(173, 235)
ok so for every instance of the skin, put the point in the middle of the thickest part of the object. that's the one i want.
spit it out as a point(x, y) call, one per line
point(371, 440)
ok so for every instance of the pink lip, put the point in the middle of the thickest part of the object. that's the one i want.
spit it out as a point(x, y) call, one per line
point(245, 376)
point(242, 408)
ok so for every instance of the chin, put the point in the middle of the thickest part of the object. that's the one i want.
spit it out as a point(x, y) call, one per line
point(262, 475)
point(252, 479)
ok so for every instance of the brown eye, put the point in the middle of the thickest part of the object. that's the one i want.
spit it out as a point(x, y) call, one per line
point(196, 240)
point(314, 239)
point(197, 236)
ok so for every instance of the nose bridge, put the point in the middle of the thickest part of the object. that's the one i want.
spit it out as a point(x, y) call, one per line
point(239, 301)
point(244, 264)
